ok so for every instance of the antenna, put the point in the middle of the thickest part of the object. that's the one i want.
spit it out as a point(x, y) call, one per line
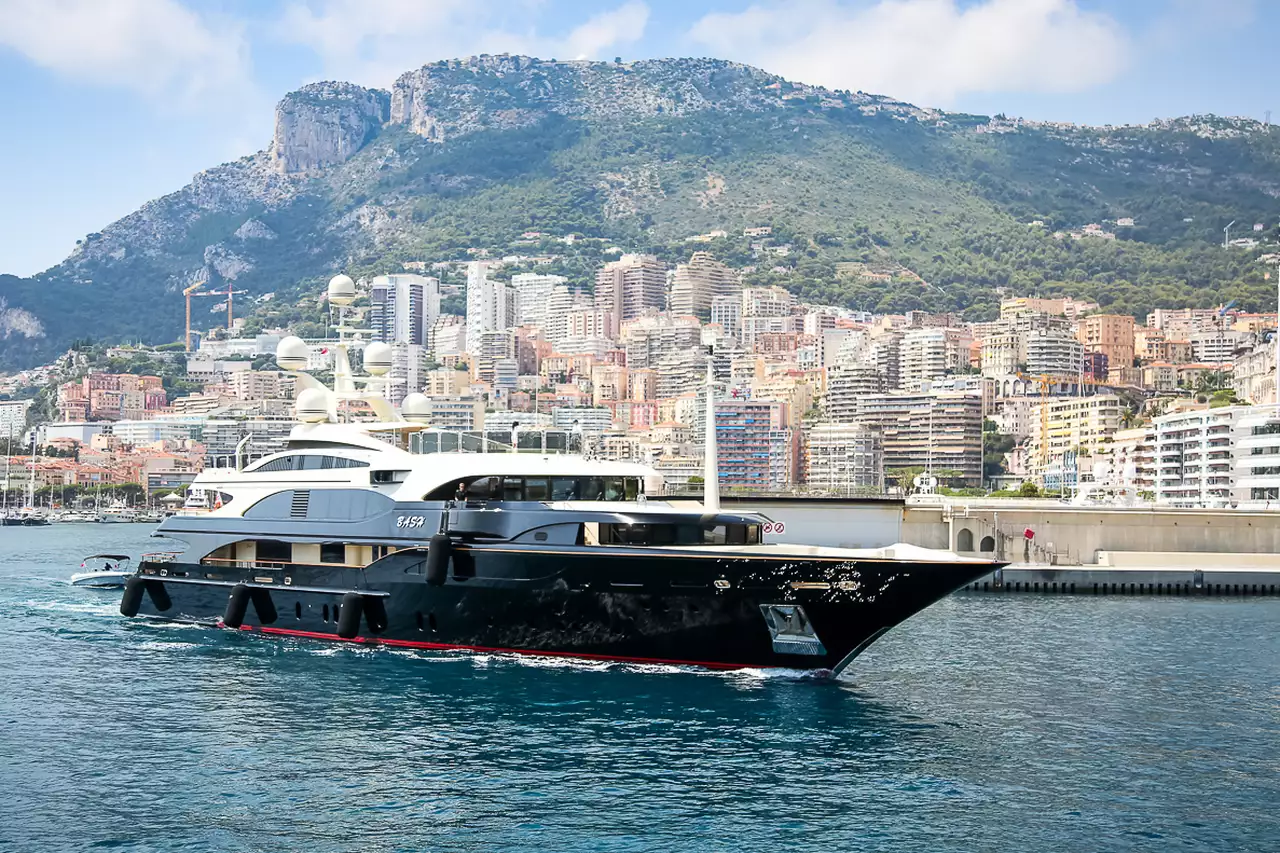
point(711, 461)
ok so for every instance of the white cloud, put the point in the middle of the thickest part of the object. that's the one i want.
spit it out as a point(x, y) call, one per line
point(373, 41)
point(622, 25)
point(153, 46)
point(929, 52)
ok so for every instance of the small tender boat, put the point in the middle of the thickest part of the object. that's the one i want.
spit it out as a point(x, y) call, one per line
point(103, 571)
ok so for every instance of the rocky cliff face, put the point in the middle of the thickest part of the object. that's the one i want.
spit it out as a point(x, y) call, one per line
point(458, 97)
point(324, 124)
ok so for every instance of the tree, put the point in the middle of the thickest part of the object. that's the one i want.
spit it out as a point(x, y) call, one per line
point(1029, 490)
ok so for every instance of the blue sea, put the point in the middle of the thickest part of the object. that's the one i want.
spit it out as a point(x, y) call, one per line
point(1013, 723)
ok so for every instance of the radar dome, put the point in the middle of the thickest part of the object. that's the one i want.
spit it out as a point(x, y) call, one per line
point(416, 408)
point(291, 353)
point(342, 290)
point(377, 358)
point(312, 406)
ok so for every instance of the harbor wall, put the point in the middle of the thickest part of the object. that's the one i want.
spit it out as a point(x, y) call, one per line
point(1063, 535)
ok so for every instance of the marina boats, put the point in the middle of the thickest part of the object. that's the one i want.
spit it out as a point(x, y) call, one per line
point(103, 571)
point(26, 518)
point(395, 533)
point(118, 513)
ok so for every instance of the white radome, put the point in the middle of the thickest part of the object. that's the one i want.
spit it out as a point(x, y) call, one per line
point(416, 408)
point(342, 290)
point(377, 358)
point(292, 353)
point(312, 406)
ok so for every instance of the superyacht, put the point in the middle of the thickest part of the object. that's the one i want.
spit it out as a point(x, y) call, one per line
point(395, 533)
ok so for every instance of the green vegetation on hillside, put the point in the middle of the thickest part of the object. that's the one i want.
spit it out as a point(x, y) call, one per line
point(940, 201)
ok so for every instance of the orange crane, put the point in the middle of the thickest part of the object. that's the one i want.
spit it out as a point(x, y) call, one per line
point(187, 295)
point(193, 291)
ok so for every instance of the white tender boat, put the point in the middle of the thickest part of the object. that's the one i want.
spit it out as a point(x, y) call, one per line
point(103, 571)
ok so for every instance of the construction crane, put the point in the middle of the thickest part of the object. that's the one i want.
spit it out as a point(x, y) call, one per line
point(187, 295)
point(193, 290)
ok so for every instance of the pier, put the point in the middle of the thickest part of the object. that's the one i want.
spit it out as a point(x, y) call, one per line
point(1080, 550)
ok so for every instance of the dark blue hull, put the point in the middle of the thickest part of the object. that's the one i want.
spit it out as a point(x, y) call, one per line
point(711, 609)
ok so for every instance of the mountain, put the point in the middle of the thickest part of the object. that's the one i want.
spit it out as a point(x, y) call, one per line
point(470, 154)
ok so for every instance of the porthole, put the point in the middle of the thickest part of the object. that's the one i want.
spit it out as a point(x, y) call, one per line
point(418, 616)
point(336, 609)
point(431, 620)
point(540, 536)
point(325, 613)
point(297, 609)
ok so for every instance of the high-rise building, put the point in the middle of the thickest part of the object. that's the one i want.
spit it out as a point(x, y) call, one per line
point(1070, 429)
point(490, 303)
point(562, 302)
point(403, 308)
point(649, 338)
point(1196, 456)
point(629, 285)
point(726, 312)
point(533, 296)
point(408, 372)
point(928, 353)
point(845, 386)
point(842, 458)
point(941, 433)
point(696, 285)
point(1050, 352)
point(1109, 334)
point(489, 348)
point(755, 449)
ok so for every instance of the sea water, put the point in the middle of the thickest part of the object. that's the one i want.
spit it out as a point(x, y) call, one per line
point(1010, 723)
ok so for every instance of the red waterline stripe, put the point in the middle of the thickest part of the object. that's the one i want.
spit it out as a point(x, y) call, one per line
point(417, 644)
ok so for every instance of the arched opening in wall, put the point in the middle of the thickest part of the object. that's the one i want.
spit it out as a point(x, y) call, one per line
point(988, 544)
point(964, 539)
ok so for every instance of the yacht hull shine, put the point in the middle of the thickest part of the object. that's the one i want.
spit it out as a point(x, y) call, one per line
point(728, 609)
point(395, 533)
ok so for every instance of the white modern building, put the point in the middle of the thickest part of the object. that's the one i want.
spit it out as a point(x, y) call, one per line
point(533, 296)
point(843, 458)
point(490, 303)
point(1257, 458)
point(1195, 457)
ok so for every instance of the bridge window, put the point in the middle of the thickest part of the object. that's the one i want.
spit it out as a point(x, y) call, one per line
point(536, 489)
point(333, 552)
point(541, 489)
point(308, 462)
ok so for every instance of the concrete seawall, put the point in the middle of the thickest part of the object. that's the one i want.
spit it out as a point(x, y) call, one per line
point(1114, 550)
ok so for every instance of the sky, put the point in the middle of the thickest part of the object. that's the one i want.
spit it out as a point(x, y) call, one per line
point(106, 104)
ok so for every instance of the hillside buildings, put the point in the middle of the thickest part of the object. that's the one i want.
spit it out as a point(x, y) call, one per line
point(697, 284)
point(403, 308)
point(629, 286)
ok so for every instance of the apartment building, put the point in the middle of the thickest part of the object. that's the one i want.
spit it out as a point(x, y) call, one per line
point(403, 308)
point(936, 432)
point(1256, 464)
point(1075, 427)
point(491, 305)
point(928, 353)
point(630, 285)
point(843, 458)
point(756, 449)
point(533, 296)
point(1110, 334)
point(1195, 456)
point(696, 284)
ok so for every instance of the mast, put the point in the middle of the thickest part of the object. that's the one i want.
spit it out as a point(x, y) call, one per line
point(710, 461)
